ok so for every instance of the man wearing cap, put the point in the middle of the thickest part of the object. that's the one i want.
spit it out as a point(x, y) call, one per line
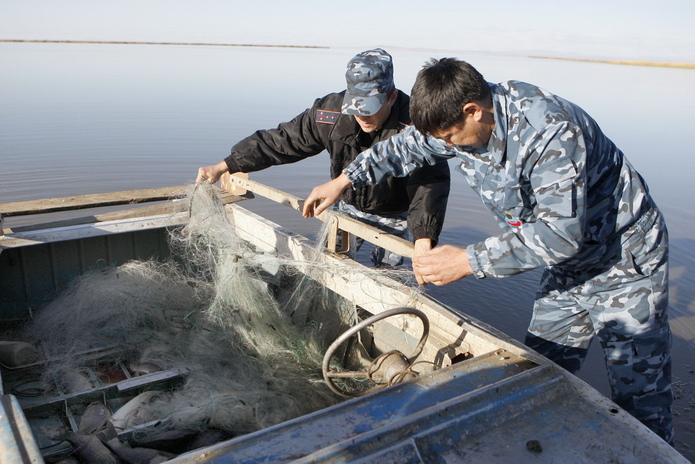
point(344, 124)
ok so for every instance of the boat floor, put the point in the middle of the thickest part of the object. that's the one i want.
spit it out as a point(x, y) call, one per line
point(496, 408)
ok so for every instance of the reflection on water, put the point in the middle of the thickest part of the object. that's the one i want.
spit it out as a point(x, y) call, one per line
point(89, 118)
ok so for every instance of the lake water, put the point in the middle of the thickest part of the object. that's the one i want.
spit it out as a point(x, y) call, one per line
point(92, 118)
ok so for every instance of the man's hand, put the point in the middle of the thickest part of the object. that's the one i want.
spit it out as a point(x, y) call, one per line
point(442, 265)
point(324, 195)
point(211, 173)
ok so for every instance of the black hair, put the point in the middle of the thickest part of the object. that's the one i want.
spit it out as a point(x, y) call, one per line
point(441, 89)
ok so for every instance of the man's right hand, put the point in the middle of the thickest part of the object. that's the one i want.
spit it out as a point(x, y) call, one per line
point(324, 195)
point(211, 173)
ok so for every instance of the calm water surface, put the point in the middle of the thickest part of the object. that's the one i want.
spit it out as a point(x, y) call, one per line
point(77, 119)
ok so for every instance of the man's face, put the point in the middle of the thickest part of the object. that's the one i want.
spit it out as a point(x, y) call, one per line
point(473, 131)
point(376, 121)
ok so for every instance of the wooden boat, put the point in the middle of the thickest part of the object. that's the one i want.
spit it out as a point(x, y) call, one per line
point(491, 399)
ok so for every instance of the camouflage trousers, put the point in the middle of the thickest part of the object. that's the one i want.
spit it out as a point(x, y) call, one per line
point(624, 303)
point(393, 225)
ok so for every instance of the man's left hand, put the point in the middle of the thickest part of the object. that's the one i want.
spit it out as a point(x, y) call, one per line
point(441, 265)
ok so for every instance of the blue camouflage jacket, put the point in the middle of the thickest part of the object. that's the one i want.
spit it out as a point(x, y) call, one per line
point(561, 190)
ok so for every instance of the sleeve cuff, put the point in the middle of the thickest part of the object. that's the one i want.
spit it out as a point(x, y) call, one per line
point(353, 177)
point(232, 164)
point(478, 260)
point(425, 232)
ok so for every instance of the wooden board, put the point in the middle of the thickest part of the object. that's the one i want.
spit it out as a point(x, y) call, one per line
point(127, 197)
point(169, 207)
point(340, 221)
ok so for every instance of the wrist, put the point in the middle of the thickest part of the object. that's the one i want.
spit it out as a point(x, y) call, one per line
point(423, 242)
point(343, 181)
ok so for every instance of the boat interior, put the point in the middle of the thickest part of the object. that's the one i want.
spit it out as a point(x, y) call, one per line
point(411, 376)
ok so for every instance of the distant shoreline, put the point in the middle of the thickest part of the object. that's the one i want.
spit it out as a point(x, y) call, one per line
point(623, 62)
point(585, 60)
point(123, 42)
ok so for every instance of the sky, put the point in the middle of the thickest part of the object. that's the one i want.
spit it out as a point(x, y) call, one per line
point(594, 29)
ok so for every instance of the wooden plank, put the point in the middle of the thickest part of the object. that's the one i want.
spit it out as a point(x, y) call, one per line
point(265, 191)
point(57, 234)
point(228, 185)
point(127, 197)
point(371, 234)
point(354, 226)
point(169, 207)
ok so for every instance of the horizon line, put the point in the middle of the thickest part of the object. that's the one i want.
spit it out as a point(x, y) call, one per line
point(681, 65)
point(129, 42)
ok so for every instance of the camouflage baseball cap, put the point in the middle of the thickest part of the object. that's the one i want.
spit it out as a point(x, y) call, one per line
point(369, 78)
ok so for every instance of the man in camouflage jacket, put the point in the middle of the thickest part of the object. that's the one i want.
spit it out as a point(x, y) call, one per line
point(567, 200)
point(344, 124)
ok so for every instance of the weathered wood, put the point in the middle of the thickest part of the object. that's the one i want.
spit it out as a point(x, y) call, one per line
point(228, 185)
point(263, 190)
point(344, 223)
point(371, 234)
point(128, 197)
point(169, 207)
point(93, 229)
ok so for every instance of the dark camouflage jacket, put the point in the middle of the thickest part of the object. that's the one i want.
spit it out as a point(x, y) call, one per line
point(323, 127)
point(561, 190)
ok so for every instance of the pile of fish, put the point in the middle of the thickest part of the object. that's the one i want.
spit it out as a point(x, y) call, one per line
point(97, 440)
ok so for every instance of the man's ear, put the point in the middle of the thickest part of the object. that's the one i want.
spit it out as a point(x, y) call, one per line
point(472, 109)
point(393, 96)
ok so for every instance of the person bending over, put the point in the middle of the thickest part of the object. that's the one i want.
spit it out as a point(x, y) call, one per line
point(567, 200)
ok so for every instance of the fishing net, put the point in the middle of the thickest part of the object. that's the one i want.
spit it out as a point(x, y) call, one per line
point(245, 326)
